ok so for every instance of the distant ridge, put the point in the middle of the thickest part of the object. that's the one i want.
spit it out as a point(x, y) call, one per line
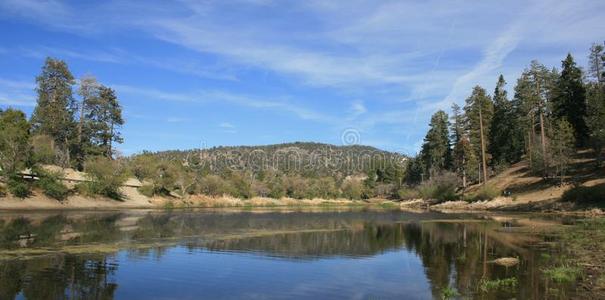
point(308, 159)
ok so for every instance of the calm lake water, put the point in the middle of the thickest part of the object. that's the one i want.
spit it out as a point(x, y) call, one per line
point(226, 254)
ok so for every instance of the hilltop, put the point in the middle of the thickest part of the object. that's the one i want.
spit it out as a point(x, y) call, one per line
point(308, 159)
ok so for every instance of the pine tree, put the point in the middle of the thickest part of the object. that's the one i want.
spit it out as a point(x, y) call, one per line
point(436, 152)
point(595, 100)
point(103, 118)
point(479, 111)
point(533, 93)
point(596, 63)
point(54, 112)
point(506, 139)
point(570, 99)
point(562, 145)
point(457, 130)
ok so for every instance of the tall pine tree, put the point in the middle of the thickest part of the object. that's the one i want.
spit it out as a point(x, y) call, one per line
point(505, 139)
point(569, 102)
point(54, 111)
point(479, 111)
point(436, 151)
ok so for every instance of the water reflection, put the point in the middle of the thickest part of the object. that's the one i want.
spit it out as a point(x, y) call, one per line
point(81, 255)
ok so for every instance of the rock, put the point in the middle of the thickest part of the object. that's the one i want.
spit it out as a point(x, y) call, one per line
point(507, 261)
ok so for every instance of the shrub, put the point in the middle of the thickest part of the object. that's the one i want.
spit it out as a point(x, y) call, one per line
point(106, 177)
point(486, 192)
point(50, 183)
point(19, 188)
point(406, 193)
point(147, 190)
point(583, 194)
point(563, 274)
point(3, 190)
point(353, 189)
point(441, 187)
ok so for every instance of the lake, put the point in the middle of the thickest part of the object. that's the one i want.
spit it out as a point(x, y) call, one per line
point(275, 254)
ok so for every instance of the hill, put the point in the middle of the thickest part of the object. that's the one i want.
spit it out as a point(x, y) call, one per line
point(307, 159)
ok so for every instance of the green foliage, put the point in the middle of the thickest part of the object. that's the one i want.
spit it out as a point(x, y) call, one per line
point(436, 152)
point(407, 193)
point(54, 111)
point(14, 135)
point(19, 187)
point(441, 187)
point(562, 145)
point(51, 185)
point(214, 185)
point(563, 274)
point(569, 101)
point(478, 111)
point(486, 285)
point(486, 192)
point(583, 194)
point(506, 135)
point(353, 189)
point(43, 149)
point(449, 293)
point(147, 190)
point(106, 177)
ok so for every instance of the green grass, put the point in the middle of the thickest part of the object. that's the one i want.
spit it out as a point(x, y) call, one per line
point(486, 285)
point(449, 293)
point(563, 274)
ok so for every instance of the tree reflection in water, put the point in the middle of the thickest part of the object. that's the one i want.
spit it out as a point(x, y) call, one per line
point(455, 253)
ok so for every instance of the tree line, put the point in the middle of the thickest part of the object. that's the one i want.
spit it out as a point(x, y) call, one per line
point(551, 114)
point(73, 122)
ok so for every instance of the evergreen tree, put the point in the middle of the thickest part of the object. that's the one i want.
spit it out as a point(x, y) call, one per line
point(14, 137)
point(457, 130)
point(479, 111)
point(436, 151)
point(570, 99)
point(595, 101)
point(533, 93)
point(562, 145)
point(103, 118)
point(505, 139)
point(465, 162)
point(54, 112)
point(596, 63)
point(89, 93)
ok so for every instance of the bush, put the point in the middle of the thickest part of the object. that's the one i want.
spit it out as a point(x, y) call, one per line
point(106, 177)
point(441, 187)
point(406, 193)
point(3, 191)
point(50, 183)
point(582, 194)
point(19, 188)
point(353, 189)
point(147, 190)
point(486, 192)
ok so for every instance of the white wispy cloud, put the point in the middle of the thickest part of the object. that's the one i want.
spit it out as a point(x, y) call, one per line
point(208, 96)
point(17, 92)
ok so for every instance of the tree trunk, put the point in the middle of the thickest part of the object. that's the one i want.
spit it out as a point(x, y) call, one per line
point(543, 142)
point(109, 143)
point(484, 163)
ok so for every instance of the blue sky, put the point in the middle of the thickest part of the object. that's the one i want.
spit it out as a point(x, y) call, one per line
point(246, 72)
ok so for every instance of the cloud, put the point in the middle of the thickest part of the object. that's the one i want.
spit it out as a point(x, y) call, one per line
point(208, 96)
point(17, 93)
point(226, 125)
